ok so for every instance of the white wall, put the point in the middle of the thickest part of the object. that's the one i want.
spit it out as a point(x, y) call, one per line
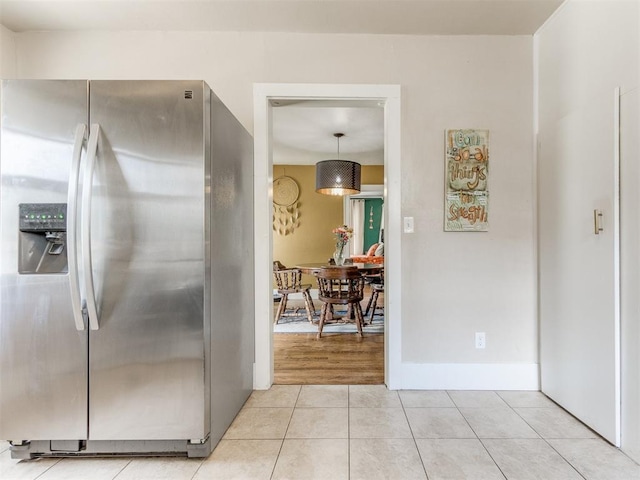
point(454, 284)
point(585, 51)
point(7, 53)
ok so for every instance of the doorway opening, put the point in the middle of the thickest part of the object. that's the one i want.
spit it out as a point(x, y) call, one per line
point(266, 98)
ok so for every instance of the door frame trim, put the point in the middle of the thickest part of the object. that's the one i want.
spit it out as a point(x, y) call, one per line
point(389, 98)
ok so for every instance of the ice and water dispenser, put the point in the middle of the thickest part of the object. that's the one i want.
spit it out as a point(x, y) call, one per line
point(43, 238)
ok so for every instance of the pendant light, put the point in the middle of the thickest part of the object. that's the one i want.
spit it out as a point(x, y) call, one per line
point(337, 177)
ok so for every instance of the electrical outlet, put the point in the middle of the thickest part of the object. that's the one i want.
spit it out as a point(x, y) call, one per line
point(481, 340)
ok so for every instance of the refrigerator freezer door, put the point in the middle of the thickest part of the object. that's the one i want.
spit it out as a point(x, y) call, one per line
point(43, 357)
point(147, 360)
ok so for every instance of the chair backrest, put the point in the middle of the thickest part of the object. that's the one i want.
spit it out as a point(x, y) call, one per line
point(340, 284)
point(278, 266)
point(289, 280)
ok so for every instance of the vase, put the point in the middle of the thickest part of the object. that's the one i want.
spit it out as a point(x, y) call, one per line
point(338, 256)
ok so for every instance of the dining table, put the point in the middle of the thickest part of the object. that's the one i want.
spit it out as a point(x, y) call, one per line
point(364, 268)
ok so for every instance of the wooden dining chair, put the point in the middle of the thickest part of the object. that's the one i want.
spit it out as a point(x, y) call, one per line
point(376, 290)
point(289, 280)
point(340, 286)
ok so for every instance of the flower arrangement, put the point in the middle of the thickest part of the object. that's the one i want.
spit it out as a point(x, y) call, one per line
point(342, 235)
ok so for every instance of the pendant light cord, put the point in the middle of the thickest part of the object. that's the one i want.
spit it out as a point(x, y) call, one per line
point(338, 137)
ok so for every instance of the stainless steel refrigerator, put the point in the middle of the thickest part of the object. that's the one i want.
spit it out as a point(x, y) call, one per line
point(126, 267)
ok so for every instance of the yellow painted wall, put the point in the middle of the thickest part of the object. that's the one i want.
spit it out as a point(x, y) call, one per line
point(319, 214)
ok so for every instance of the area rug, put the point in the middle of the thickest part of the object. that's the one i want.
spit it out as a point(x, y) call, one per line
point(295, 321)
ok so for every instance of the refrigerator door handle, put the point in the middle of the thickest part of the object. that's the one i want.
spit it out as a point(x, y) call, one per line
point(87, 190)
point(72, 216)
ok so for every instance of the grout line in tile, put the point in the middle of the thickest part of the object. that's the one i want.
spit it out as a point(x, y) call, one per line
point(295, 405)
point(273, 469)
point(290, 417)
point(539, 436)
point(413, 437)
point(40, 475)
point(467, 422)
point(404, 409)
point(565, 459)
point(451, 398)
point(619, 450)
point(555, 438)
point(491, 457)
point(547, 440)
point(323, 407)
point(562, 456)
point(194, 473)
point(129, 462)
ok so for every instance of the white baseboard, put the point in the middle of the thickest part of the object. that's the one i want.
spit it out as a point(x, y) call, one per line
point(470, 376)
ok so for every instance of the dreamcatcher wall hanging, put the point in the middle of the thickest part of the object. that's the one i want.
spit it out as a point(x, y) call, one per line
point(286, 208)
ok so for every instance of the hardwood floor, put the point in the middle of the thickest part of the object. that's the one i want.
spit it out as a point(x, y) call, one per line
point(334, 359)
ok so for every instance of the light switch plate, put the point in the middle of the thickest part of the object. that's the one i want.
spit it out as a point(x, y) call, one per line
point(408, 224)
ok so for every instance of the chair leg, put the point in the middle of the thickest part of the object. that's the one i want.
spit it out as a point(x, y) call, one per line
point(366, 311)
point(349, 313)
point(373, 300)
point(323, 314)
point(359, 319)
point(281, 307)
point(308, 303)
point(313, 307)
point(373, 309)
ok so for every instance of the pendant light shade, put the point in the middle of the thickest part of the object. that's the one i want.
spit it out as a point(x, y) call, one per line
point(337, 177)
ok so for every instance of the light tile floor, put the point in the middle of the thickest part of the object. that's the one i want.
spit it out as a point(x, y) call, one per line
point(369, 432)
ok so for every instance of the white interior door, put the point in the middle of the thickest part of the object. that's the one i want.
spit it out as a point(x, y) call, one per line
point(579, 275)
point(630, 270)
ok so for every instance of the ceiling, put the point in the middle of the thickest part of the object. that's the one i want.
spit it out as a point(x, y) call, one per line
point(302, 131)
point(413, 17)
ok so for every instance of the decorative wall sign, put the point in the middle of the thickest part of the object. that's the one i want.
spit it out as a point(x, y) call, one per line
point(286, 208)
point(467, 172)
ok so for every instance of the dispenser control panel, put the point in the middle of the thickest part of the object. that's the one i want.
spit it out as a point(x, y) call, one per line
point(43, 217)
